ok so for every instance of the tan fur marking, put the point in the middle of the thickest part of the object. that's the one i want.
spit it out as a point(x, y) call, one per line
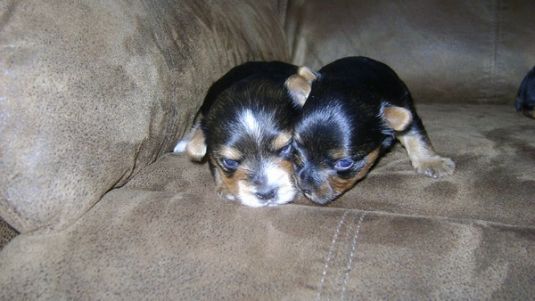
point(280, 141)
point(196, 147)
point(300, 84)
point(423, 157)
point(337, 154)
point(228, 185)
point(230, 153)
point(306, 73)
point(397, 118)
point(287, 166)
point(340, 185)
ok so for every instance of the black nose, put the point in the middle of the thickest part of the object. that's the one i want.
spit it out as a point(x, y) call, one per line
point(266, 194)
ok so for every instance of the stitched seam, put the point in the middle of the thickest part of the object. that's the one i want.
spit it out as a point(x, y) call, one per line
point(330, 253)
point(438, 218)
point(351, 255)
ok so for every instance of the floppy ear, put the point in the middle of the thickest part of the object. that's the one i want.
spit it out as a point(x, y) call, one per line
point(398, 118)
point(196, 147)
point(300, 84)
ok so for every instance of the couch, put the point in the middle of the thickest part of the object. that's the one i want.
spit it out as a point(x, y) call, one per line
point(94, 206)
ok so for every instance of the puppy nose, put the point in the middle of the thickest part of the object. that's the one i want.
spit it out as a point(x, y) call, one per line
point(267, 194)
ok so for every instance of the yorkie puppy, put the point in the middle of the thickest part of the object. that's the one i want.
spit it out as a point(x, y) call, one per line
point(245, 131)
point(356, 108)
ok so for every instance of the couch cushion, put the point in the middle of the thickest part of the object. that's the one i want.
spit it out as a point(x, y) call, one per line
point(90, 92)
point(166, 235)
point(446, 51)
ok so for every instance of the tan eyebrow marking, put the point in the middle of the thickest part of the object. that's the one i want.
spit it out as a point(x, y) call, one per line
point(340, 185)
point(338, 153)
point(230, 153)
point(280, 141)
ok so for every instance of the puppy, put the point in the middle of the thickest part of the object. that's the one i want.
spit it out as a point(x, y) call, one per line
point(525, 98)
point(355, 109)
point(245, 131)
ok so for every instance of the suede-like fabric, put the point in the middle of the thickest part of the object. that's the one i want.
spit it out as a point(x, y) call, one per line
point(166, 235)
point(446, 51)
point(494, 151)
point(92, 91)
point(94, 94)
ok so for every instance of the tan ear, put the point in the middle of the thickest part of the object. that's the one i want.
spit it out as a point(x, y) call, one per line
point(300, 84)
point(196, 147)
point(397, 118)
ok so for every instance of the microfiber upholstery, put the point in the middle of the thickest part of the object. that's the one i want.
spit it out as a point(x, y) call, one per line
point(446, 51)
point(166, 235)
point(93, 96)
point(92, 91)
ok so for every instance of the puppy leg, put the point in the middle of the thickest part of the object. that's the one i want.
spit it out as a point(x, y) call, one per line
point(421, 153)
point(193, 143)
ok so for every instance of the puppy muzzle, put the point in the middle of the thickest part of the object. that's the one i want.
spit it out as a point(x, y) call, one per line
point(315, 187)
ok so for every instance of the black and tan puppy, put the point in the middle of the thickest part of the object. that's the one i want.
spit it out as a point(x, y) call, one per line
point(525, 98)
point(245, 129)
point(355, 110)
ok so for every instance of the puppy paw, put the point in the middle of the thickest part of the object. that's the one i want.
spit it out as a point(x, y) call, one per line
point(436, 167)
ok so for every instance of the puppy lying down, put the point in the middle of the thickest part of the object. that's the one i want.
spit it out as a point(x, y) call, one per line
point(356, 109)
point(245, 132)
point(265, 126)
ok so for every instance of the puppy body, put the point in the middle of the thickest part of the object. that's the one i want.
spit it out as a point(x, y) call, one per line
point(245, 131)
point(355, 110)
point(525, 98)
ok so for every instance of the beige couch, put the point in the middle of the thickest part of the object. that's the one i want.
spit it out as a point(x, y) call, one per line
point(93, 96)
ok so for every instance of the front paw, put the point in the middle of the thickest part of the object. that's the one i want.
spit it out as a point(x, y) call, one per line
point(435, 167)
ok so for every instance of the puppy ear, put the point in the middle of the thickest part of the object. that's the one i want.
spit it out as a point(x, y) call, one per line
point(196, 147)
point(397, 118)
point(300, 84)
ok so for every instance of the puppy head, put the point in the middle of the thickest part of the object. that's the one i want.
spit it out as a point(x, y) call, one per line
point(337, 144)
point(248, 135)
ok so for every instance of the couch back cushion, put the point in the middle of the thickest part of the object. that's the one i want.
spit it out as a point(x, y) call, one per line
point(446, 51)
point(91, 91)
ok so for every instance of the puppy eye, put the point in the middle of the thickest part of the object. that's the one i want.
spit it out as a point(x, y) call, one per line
point(344, 164)
point(230, 164)
point(286, 151)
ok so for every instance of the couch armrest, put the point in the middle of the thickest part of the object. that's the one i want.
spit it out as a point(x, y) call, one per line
point(92, 91)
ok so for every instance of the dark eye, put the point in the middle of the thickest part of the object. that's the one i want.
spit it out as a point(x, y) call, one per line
point(344, 164)
point(230, 164)
point(286, 151)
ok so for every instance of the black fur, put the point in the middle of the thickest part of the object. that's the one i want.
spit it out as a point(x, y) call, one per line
point(343, 111)
point(258, 88)
point(525, 98)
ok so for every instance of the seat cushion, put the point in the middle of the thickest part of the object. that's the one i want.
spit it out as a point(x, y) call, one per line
point(397, 235)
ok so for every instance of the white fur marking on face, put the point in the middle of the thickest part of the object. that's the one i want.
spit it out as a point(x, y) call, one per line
point(251, 124)
point(277, 178)
point(247, 196)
